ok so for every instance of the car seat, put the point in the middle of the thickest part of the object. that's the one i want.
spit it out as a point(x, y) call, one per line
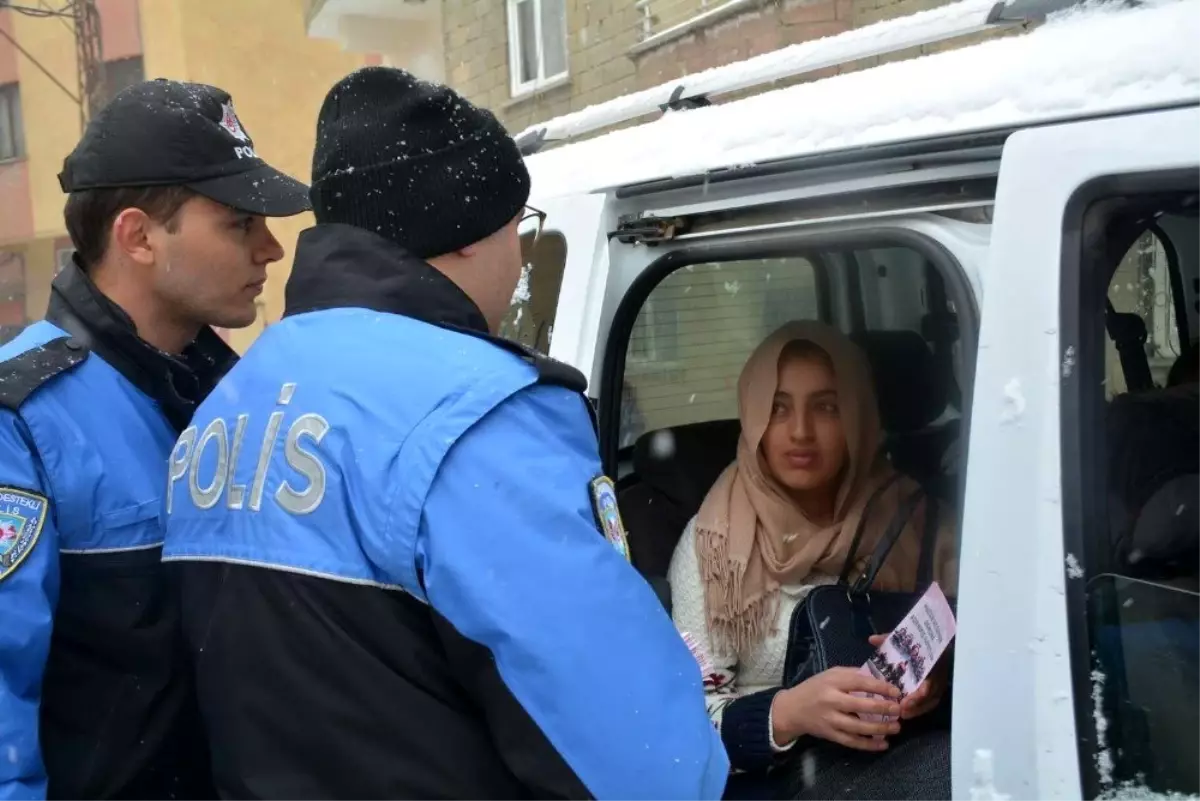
point(1143, 598)
point(1153, 483)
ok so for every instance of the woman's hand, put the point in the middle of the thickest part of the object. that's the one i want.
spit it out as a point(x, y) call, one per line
point(824, 707)
point(925, 698)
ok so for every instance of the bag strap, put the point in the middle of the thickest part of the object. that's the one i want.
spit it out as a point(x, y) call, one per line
point(889, 539)
point(928, 543)
point(848, 565)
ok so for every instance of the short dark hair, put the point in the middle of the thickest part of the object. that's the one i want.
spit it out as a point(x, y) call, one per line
point(90, 213)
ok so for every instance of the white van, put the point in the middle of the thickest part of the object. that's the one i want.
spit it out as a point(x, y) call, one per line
point(1010, 230)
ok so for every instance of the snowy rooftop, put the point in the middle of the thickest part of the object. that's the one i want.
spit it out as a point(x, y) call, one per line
point(1085, 61)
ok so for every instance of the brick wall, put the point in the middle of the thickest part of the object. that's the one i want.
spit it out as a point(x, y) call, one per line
point(602, 33)
point(599, 32)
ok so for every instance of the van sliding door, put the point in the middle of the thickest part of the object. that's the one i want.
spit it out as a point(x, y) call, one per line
point(1056, 615)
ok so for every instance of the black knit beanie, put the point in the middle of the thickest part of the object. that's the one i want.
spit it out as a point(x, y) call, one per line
point(414, 162)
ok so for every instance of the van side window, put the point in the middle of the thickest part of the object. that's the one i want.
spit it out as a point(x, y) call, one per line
point(1136, 461)
point(694, 332)
point(678, 425)
point(530, 319)
point(1141, 287)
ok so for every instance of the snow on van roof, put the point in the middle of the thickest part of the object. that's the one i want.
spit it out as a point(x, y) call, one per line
point(1090, 60)
point(887, 36)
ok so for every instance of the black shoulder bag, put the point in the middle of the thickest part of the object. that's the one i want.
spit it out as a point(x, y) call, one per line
point(830, 629)
point(831, 626)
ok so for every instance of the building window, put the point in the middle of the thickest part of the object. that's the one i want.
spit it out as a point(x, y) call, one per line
point(12, 294)
point(537, 43)
point(62, 259)
point(12, 144)
point(655, 335)
point(694, 331)
point(122, 74)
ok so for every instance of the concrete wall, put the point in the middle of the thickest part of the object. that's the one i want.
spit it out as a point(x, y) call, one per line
point(277, 77)
point(51, 117)
point(31, 227)
point(16, 213)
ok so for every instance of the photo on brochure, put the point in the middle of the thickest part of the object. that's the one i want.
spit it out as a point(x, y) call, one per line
point(914, 646)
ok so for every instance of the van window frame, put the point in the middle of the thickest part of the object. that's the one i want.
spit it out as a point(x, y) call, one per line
point(1084, 458)
point(958, 289)
point(1175, 277)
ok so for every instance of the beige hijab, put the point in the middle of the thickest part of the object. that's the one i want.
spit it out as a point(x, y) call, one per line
point(752, 538)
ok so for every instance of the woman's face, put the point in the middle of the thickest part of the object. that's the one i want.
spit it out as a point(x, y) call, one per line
point(805, 444)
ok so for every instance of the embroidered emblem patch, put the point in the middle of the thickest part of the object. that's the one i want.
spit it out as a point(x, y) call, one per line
point(22, 514)
point(608, 516)
point(231, 123)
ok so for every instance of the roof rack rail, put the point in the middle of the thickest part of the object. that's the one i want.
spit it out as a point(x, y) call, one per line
point(926, 27)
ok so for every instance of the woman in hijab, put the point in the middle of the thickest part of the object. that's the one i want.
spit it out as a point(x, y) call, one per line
point(780, 521)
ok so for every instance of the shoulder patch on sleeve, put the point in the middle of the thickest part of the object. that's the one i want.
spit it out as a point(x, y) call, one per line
point(608, 516)
point(23, 375)
point(22, 515)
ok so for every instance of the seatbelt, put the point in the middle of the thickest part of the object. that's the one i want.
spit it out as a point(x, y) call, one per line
point(1128, 333)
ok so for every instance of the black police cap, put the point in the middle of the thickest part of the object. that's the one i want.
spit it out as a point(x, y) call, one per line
point(171, 133)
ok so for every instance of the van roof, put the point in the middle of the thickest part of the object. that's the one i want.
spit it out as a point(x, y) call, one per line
point(1087, 61)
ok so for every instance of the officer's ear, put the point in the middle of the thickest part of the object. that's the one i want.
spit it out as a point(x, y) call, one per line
point(131, 236)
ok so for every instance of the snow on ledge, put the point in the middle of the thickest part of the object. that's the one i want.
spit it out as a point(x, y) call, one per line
point(887, 36)
point(1091, 60)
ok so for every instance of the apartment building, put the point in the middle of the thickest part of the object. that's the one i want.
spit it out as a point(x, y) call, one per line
point(530, 60)
point(258, 50)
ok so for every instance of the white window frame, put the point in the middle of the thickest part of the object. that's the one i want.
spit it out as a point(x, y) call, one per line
point(10, 95)
point(1164, 331)
point(62, 259)
point(651, 362)
point(650, 357)
point(112, 69)
point(541, 81)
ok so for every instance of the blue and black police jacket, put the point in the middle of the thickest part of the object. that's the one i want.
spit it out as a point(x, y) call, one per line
point(395, 581)
point(95, 694)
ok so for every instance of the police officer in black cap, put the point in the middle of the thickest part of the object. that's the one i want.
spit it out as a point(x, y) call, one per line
point(166, 209)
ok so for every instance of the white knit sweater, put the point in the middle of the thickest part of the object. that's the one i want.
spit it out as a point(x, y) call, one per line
point(733, 676)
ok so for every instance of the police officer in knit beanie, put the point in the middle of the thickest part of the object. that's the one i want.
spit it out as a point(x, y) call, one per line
point(436, 555)
point(414, 162)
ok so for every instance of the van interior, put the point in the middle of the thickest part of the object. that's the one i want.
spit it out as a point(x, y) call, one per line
point(1141, 619)
point(668, 424)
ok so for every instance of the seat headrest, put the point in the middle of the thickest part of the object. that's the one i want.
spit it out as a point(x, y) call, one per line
point(1126, 327)
point(940, 327)
point(912, 390)
point(685, 461)
point(1152, 438)
point(1166, 533)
